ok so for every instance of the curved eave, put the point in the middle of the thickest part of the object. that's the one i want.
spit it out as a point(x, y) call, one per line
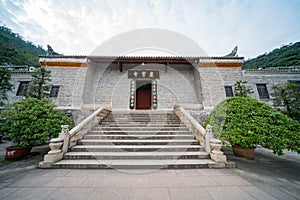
point(139, 59)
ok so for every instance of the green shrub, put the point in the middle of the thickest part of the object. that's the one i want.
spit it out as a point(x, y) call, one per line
point(247, 122)
point(5, 85)
point(287, 96)
point(33, 120)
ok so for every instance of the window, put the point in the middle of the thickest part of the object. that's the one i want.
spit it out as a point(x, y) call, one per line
point(262, 91)
point(22, 88)
point(228, 91)
point(54, 91)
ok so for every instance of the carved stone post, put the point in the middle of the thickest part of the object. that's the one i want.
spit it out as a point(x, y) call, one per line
point(216, 154)
point(55, 154)
point(64, 134)
point(208, 136)
point(58, 146)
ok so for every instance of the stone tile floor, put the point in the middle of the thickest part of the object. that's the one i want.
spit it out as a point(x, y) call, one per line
point(266, 177)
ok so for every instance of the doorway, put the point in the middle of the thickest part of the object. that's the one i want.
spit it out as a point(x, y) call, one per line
point(143, 95)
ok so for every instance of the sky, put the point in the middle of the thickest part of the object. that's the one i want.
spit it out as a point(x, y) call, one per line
point(77, 27)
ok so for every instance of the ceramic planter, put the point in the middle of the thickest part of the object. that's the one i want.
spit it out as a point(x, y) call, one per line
point(243, 152)
point(14, 153)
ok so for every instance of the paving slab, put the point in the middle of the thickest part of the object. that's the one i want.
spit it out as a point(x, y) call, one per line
point(266, 177)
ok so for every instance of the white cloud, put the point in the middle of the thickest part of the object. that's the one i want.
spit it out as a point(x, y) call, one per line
point(77, 27)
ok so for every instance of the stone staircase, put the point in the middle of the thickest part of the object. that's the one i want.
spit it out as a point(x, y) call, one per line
point(141, 140)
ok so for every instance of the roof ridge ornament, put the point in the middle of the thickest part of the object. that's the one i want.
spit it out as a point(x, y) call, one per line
point(51, 52)
point(233, 52)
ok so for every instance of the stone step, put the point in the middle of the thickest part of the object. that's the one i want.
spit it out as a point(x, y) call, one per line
point(136, 142)
point(140, 128)
point(137, 155)
point(160, 122)
point(135, 164)
point(136, 148)
point(138, 133)
point(139, 125)
point(142, 117)
point(132, 132)
point(128, 137)
point(141, 120)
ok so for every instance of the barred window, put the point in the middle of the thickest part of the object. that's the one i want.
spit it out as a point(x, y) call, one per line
point(262, 91)
point(22, 88)
point(228, 91)
point(54, 91)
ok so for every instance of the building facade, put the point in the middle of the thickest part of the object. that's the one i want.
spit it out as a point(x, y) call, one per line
point(149, 82)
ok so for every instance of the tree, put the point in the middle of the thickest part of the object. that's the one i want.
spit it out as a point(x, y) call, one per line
point(5, 85)
point(247, 122)
point(287, 96)
point(241, 90)
point(39, 86)
point(31, 120)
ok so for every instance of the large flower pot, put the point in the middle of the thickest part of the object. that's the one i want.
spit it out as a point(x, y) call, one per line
point(13, 153)
point(243, 152)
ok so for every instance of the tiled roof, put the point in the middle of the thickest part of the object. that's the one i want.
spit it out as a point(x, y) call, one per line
point(145, 59)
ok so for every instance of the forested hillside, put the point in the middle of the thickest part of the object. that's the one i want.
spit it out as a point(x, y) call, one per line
point(15, 51)
point(287, 55)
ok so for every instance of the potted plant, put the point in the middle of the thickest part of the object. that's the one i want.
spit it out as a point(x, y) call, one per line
point(245, 122)
point(31, 121)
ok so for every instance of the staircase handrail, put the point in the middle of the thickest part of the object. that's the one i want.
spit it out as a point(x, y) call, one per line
point(67, 139)
point(84, 122)
point(201, 134)
point(194, 122)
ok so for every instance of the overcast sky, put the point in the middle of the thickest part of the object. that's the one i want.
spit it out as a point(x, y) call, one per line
point(79, 26)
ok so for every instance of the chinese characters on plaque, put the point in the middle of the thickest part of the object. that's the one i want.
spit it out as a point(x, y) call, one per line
point(140, 74)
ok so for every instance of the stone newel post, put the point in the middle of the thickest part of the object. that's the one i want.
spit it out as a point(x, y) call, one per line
point(215, 148)
point(58, 146)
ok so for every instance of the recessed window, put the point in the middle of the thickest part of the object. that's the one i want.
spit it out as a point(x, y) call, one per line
point(22, 88)
point(228, 91)
point(262, 91)
point(54, 91)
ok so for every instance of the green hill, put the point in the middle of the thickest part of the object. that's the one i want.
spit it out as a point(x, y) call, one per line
point(15, 51)
point(287, 55)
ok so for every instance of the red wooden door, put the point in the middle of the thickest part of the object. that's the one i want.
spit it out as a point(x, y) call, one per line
point(143, 97)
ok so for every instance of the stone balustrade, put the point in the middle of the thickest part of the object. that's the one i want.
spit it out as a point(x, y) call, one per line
point(68, 138)
point(204, 136)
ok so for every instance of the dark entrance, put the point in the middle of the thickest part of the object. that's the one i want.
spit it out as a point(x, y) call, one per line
point(143, 95)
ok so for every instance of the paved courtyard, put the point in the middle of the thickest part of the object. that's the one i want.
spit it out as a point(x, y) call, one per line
point(266, 177)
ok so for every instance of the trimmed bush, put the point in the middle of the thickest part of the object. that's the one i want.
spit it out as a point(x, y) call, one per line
point(247, 122)
point(32, 120)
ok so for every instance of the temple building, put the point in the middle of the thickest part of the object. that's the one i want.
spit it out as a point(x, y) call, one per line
point(133, 112)
point(149, 82)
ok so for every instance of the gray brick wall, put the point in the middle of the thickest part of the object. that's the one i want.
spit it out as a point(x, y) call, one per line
point(16, 78)
point(270, 79)
point(103, 83)
point(106, 84)
point(71, 82)
point(213, 81)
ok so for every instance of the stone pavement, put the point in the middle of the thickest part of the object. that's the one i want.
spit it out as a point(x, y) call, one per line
point(266, 177)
